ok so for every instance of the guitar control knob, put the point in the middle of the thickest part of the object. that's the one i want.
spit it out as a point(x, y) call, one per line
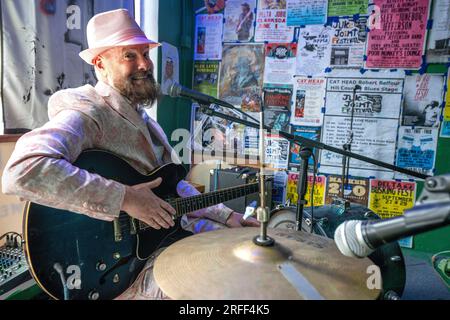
point(101, 266)
point(93, 295)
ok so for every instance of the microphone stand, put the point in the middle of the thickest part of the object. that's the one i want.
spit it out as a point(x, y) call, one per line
point(310, 143)
point(348, 146)
point(305, 153)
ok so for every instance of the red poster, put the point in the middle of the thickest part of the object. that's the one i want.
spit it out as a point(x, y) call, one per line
point(397, 33)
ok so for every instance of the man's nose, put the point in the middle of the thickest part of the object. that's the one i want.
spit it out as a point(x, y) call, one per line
point(144, 64)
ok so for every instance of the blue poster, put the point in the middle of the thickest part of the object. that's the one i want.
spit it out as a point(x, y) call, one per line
point(312, 133)
point(417, 149)
point(305, 12)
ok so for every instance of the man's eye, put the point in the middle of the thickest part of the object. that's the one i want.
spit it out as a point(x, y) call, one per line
point(129, 56)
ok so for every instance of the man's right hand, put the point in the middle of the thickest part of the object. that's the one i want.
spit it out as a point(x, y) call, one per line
point(141, 203)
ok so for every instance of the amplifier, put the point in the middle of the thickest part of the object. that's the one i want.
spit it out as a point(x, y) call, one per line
point(225, 178)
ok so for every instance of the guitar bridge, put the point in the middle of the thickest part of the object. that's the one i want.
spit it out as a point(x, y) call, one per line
point(117, 231)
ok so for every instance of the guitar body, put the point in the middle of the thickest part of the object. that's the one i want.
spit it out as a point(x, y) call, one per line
point(96, 259)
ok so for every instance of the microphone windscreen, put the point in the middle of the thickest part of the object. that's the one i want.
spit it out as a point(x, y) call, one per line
point(349, 240)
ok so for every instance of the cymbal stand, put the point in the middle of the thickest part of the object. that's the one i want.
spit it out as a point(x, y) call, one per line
point(263, 212)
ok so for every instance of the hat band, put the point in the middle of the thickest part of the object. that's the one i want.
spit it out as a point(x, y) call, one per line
point(121, 37)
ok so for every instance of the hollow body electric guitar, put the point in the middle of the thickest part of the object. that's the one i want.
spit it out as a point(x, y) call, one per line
point(73, 256)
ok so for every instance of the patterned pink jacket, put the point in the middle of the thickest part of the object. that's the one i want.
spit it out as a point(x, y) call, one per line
point(40, 168)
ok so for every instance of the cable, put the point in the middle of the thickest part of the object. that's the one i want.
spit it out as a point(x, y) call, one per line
point(312, 189)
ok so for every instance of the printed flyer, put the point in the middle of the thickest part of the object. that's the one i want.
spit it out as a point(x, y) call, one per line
point(239, 20)
point(280, 62)
point(390, 198)
point(304, 12)
point(318, 194)
point(357, 190)
point(397, 39)
point(308, 101)
point(314, 50)
point(271, 22)
point(347, 7)
point(208, 37)
point(206, 75)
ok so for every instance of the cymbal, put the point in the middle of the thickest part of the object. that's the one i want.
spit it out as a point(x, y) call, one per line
point(226, 264)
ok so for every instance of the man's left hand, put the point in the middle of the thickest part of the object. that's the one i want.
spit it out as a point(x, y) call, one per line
point(236, 220)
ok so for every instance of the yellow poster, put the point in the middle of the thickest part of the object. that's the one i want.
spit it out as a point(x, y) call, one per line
point(319, 189)
point(389, 198)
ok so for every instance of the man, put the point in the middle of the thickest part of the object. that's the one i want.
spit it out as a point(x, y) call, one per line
point(245, 23)
point(168, 76)
point(109, 117)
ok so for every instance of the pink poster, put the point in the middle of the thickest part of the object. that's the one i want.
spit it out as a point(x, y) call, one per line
point(397, 33)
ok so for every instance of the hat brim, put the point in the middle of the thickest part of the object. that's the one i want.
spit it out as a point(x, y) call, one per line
point(90, 54)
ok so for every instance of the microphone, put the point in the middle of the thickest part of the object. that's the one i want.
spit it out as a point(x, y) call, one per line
point(358, 239)
point(177, 90)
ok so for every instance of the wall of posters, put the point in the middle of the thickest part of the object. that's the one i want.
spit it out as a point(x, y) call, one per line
point(271, 22)
point(423, 100)
point(391, 198)
point(438, 50)
point(357, 190)
point(308, 101)
point(206, 77)
point(239, 20)
point(347, 7)
point(314, 50)
point(417, 149)
point(208, 37)
point(241, 74)
point(280, 62)
point(304, 12)
point(397, 40)
point(348, 42)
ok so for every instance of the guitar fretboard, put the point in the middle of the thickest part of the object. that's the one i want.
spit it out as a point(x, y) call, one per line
point(194, 203)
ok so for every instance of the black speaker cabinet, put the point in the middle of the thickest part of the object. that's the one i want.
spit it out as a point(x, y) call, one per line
point(225, 178)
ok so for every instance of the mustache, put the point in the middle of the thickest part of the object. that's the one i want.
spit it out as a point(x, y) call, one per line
point(143, 75)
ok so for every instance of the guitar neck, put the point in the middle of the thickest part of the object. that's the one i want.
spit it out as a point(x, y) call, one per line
point(194, 203)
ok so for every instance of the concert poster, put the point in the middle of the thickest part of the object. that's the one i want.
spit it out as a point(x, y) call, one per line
point(376, 116)
point(347, 7)
point(280, 62)
point(271, 22)
point(241, 75)
point(318, 194)
point(276, 151)
point(208, 37)
point(239, 20)
point(314, 50)
point(277, 100)
point(308, 101)
point(312, 133)
point(357, 190)
point(348, 42)
point(423, 96)
point(390, 198)
point(416, 150)
point(206, 76)
point(305, 12)
point(397, 34)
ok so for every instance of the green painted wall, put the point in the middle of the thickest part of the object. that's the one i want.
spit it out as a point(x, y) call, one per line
point(176, 27)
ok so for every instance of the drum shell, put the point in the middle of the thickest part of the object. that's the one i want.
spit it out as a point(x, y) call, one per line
point(327, 218)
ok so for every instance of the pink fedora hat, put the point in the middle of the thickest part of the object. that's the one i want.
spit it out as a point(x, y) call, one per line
point(113, 29)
